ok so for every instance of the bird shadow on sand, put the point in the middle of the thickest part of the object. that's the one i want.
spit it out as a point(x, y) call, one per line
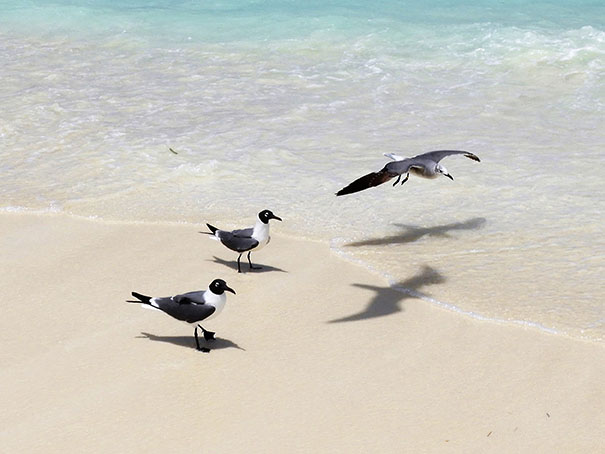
point(244, 266)
point(411, 233)
point(189, 341)
point(387, 300)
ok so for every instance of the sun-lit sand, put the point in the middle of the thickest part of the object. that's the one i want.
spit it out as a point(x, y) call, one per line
point(313, 355)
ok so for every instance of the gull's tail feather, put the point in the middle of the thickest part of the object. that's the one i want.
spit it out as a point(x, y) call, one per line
point(212, 228)
point(367, 181)
point(472, 156)
point(141, 298)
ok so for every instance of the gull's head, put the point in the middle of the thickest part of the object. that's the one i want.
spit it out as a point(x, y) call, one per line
point(218, 287)
point(442, 170)
point(266, 215)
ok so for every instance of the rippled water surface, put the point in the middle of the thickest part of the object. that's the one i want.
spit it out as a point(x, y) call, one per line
point(278, 104)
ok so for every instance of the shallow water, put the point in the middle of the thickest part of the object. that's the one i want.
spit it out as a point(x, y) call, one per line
point(274, 105)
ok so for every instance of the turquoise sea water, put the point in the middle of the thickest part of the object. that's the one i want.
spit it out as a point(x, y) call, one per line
point(278, 104)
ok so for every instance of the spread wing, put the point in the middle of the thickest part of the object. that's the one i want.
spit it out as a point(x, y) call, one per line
point(438, 155)
point(184, 308)
point(368, 181)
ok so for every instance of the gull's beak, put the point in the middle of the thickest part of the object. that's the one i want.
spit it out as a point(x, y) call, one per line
point(449, 176)
point(229, 289)
point(275, 217)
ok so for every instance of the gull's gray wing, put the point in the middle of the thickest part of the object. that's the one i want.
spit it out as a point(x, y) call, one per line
point(246, 233)
point(196, 297)
point(237, 243)
point(438, 155)
point(391, 170)
point(185, 309)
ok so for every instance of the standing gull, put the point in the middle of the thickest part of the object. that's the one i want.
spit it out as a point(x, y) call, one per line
point(245, 240)
point(424, 165)
point(191, 307)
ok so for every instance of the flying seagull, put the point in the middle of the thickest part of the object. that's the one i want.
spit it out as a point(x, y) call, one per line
point(191, 307)
point(245, 240)
point(424, 165)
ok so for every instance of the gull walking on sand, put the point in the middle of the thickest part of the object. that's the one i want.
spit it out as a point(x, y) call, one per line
point(245, 240)
point(191, 307)
point(424, 165)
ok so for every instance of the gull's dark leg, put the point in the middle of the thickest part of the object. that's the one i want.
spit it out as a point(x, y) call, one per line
point(239, 270)
point(407, 175)
point(252, 267)
point(208, 335)
point(197, 342)
point(397, 181)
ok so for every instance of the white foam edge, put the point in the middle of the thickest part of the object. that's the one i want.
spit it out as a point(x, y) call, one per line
point(443, 304)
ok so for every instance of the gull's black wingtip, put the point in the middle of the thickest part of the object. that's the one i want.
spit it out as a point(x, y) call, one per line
point(367, 181)
point(349, 190)
point(472, 156)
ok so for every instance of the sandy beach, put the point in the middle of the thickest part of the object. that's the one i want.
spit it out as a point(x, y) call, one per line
point(313, 355)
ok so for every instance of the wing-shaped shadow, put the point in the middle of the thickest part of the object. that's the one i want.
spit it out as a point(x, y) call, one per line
point(387, 300)
point(189, 341)
point(413, 233)
point(244, 265)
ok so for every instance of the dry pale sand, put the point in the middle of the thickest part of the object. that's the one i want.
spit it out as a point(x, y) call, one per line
point(300, 364)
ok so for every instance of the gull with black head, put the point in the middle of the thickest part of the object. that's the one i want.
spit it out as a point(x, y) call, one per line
point(192, 307)
point(245, 240)
point(423, 165)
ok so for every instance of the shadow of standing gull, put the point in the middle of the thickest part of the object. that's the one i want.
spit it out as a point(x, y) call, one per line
point(245, 269)
point(413, 233)
point(387, 299)
point(189, 341)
